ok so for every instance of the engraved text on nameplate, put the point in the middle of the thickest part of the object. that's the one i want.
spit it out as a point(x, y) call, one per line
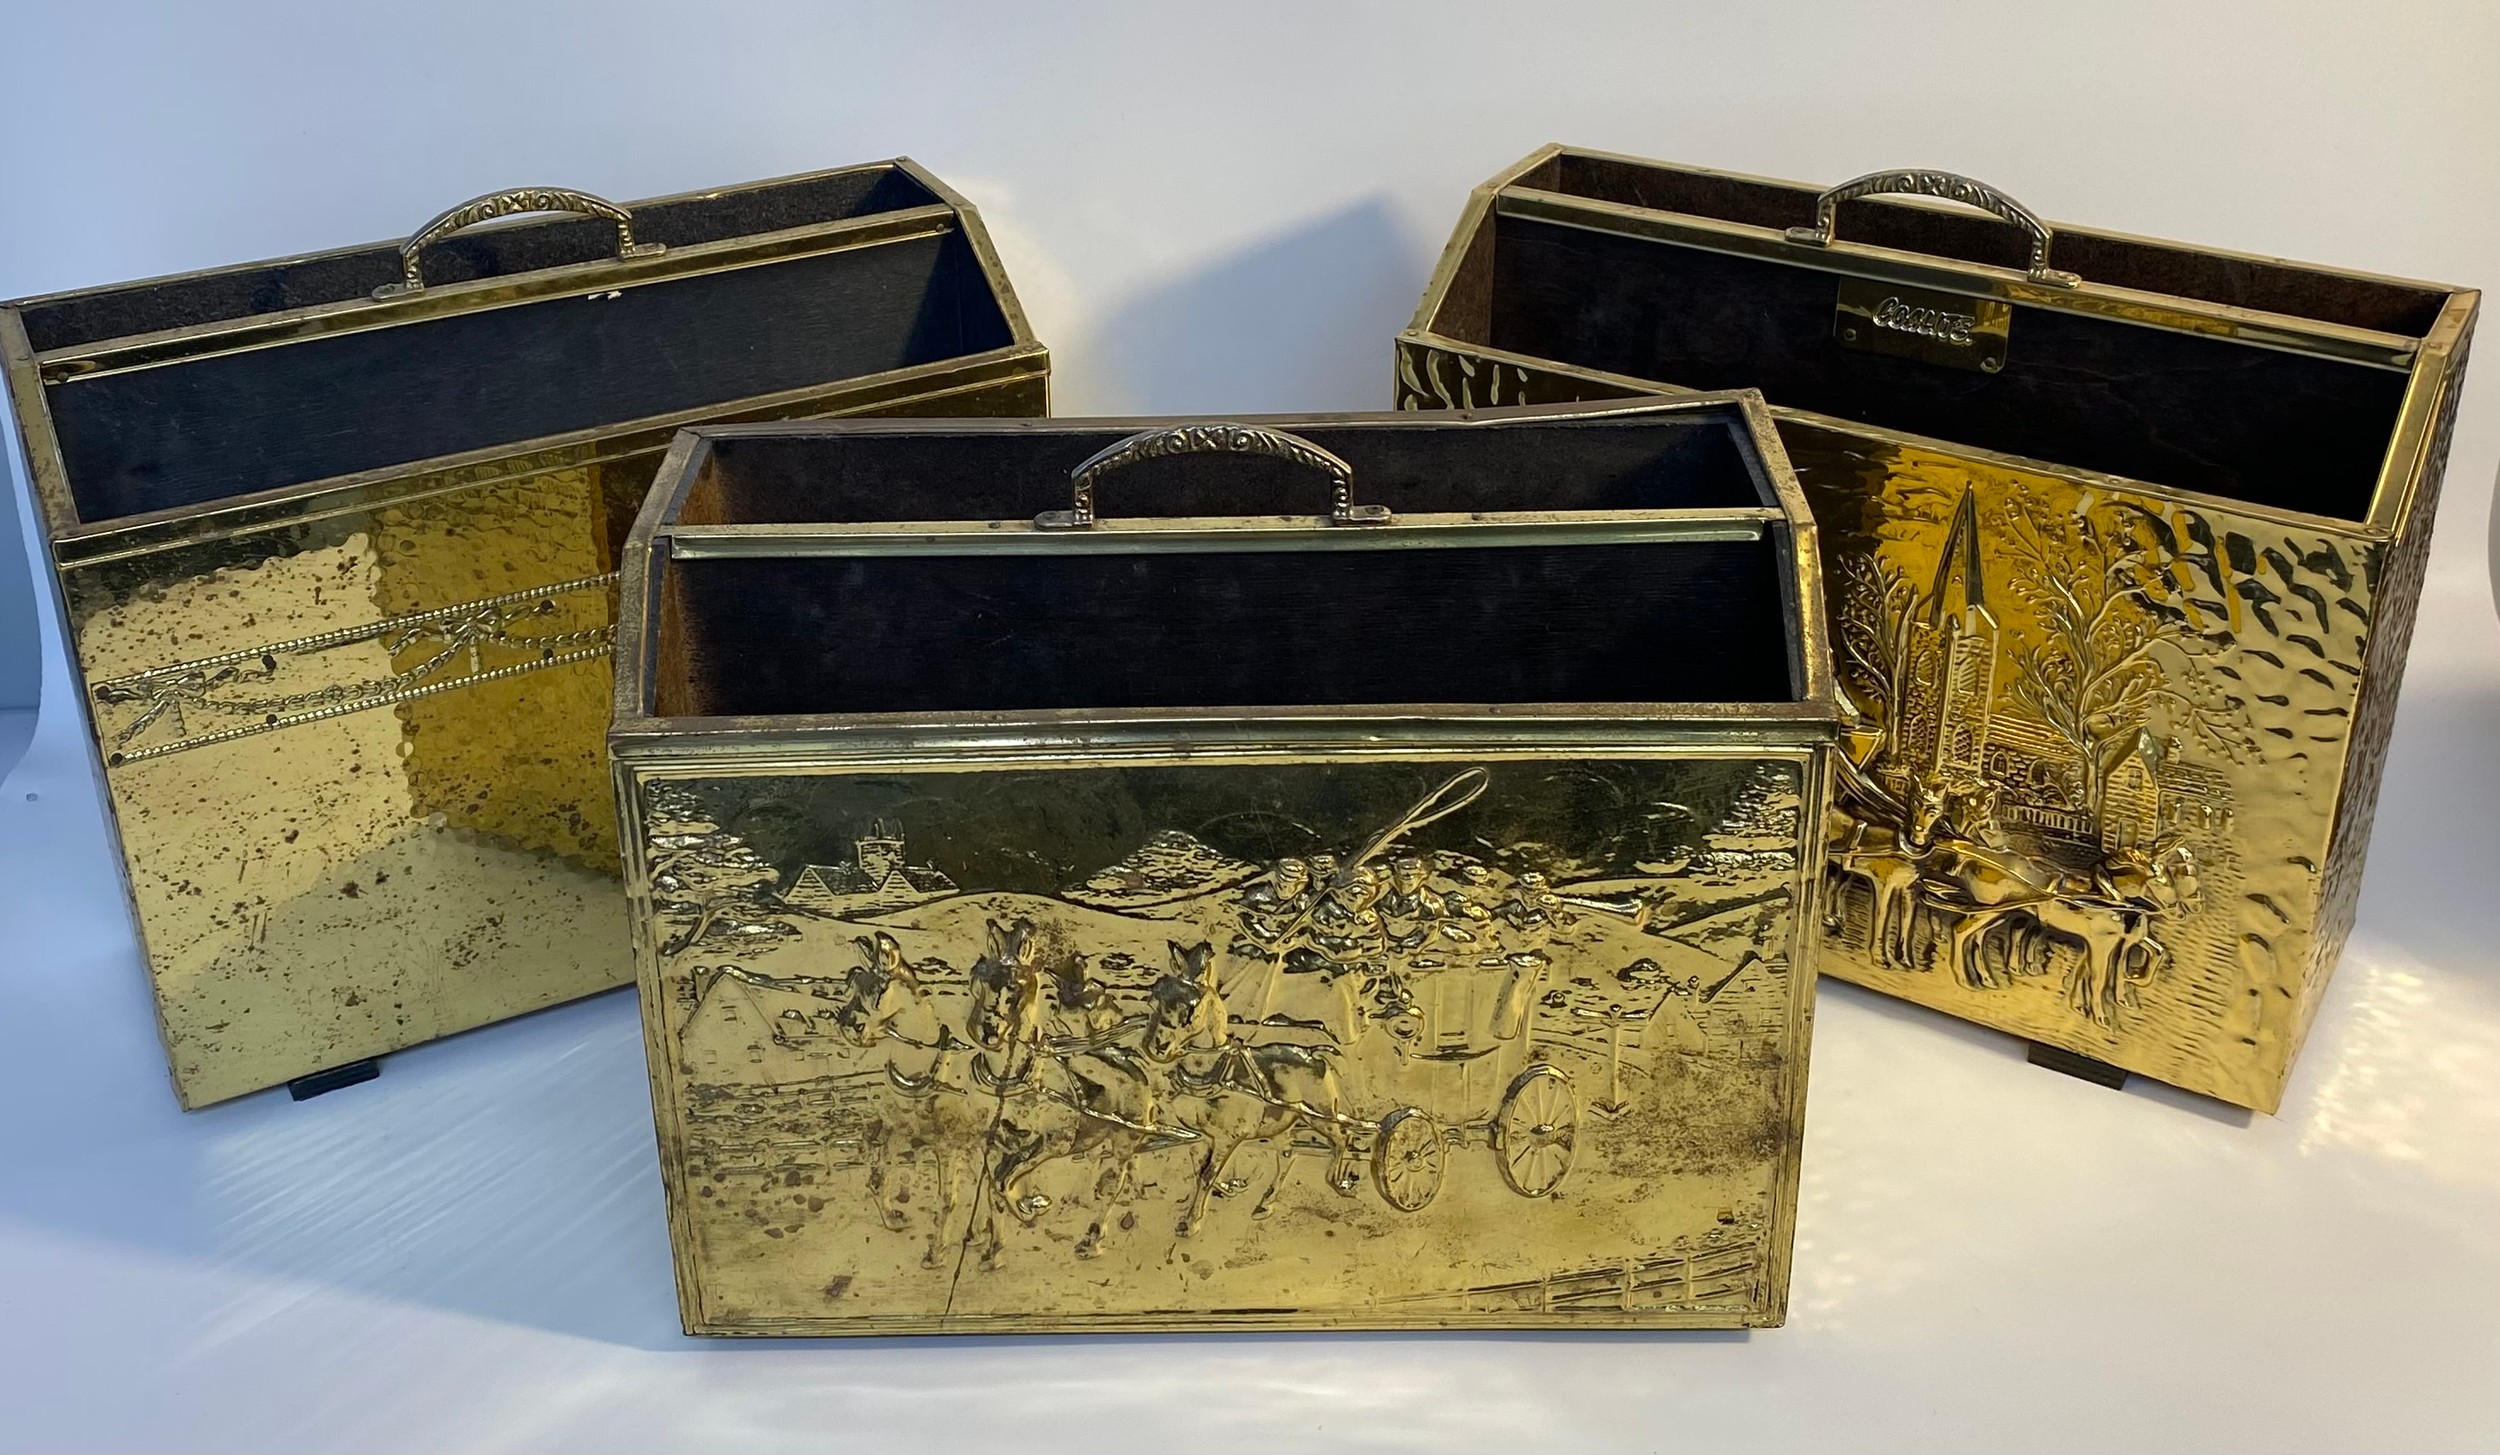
point(1952, 329)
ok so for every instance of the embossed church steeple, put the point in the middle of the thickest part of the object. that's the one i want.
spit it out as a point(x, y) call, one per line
point(1953, 662)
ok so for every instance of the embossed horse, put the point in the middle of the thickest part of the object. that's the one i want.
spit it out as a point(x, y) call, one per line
point(1097, 1098)
point(942, 1117)
point(1976, 887)
point(2109, 915)
point(1243, 1094)
point(1005, 1020)
point(1004, 1025)
point(2115, 929)
point(939, 1117)
point(1889, 861)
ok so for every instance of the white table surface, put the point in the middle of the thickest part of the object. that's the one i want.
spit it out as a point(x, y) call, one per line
point(469, 1252)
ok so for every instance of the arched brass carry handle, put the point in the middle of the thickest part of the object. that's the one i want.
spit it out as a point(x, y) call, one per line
point(1950, 186)
point(508, 204)
point(1213, 439)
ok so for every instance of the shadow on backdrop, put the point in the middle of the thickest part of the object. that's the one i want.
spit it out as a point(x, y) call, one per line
point(508, 1175)
point(2428, 885)
point(1299, 322)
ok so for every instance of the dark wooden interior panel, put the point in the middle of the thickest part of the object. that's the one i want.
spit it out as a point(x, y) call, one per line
point(493, 251)
point(1467, 304)
point(669, 678)
point(954, 475)
point(2267, 285)
point(2258, 425)
point(1666, 189)
point(1660, 622)
point(235, 424)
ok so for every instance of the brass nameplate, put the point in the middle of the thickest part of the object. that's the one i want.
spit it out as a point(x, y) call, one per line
point(1952, 329)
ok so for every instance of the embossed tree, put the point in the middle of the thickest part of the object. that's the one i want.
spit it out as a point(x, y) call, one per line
point(2112, 652)
point(719, 889)
point(1878, 604)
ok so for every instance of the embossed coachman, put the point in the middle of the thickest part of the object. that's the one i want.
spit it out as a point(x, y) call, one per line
point(2119, 623)
point(1214, 916)
point(335, 539)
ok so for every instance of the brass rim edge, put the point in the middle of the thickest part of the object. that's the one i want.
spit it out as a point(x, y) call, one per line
point(681, 745)
point(1751, 1315)
point(1804, 958)
point(2401, 473)
point(658, 1054)
point(47, 474)
point(1217, 535)
point(1801, 584)
point(976, 233)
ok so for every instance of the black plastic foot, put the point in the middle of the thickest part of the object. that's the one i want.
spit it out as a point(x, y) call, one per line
point(305, 1088)
point(2082, 1068)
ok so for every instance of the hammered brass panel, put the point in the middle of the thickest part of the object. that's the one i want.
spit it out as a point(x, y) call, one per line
point(518, 757)
point(1415, 1041)
point(2103, 737)
point(385, 819)
point(2143, 844)
point(343, 642)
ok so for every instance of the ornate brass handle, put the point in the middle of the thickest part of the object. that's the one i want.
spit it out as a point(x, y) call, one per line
point(1950, 186)
point(507, 204)
point(1213, 439)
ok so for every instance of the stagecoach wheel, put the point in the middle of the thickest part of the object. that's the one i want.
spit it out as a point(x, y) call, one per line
point(1534, 1131)
point(1408, 1159)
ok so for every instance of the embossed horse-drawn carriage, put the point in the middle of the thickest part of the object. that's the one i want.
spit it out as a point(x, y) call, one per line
point(1037, 1079)
point(1436, 1032)
point(1449, 1060)
point(1431, 1041)
point(1429, 1045)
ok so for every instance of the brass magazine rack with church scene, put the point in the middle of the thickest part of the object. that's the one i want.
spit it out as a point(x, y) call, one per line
point(335, 542)
point(2122, 541)
point(1337, 872)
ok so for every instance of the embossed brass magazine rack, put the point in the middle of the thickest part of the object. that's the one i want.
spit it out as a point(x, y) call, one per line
point(2124, 539)
point(1135, 874)
point(335, 539)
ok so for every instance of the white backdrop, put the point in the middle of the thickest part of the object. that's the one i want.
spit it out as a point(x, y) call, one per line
point(1234, 210)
